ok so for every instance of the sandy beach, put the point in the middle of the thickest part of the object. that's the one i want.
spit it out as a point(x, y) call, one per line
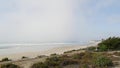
point(57, 50)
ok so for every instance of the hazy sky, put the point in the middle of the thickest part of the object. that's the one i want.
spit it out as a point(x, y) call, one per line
point(58, 20)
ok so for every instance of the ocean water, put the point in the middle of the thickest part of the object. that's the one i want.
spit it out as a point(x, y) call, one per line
point(20, 48)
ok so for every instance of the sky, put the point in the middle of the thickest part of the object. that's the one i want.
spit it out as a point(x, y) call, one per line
point(58, 21)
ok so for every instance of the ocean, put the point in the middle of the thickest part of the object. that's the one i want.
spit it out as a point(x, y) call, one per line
point(20, 48)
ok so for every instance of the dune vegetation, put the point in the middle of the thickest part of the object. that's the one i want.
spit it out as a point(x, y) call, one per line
point(82, 60)
point(9, 66)
point(105, 55)
point(110, 44)
point(91, 58)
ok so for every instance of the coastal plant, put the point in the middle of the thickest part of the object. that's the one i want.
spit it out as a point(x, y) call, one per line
point(87, 58)
point(5, 59)
point(84, 66)
point(111, 43)
point(102, 61)
point(9, 66)
point(24, 57)
point(54, 54)
point(39, 65)
point(78, 56)
point(41, 56)
point(87, 55)
point(70, 51)
point(69, 62)
point(53, 61)
point(103, 47)
point(83, 57)
point(92, 48)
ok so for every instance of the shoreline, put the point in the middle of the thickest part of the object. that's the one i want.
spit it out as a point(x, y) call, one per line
point(57, 50)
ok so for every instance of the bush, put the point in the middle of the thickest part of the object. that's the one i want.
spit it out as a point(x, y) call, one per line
point(24, 57)
point(41, 56)
point(39, 65)
point(53, 61)
point(84, 66)
point(88, 55)
point(9, 66)
point(87, 58)
point(69, 62)
point(70, 51)
point(102, 61)
point(103, 47)
point(112, 43)
point(78, 56)
point(54, 54)
point(92, 48)
point(5, 59)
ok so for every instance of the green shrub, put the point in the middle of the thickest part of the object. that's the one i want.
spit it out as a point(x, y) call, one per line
point(103, 47)
point(24, 57)
point(102, 61)
point(92, 48)
point(69, 62)
point(9, 66)
point(53, 61)
point(112, 43)
point(54, 54)
point(39, 65)
point(5, 59)
point(84, 66)
point(70, 51)
point(88, 55)
point(97, 54)
point(78, 56)
point(40, 56)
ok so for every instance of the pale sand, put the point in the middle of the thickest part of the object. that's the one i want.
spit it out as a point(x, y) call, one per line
point(57, 50)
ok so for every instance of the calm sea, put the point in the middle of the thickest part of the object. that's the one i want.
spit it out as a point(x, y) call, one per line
point(20, 48)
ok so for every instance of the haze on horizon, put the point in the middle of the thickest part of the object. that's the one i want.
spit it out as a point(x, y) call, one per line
point(58, 20)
